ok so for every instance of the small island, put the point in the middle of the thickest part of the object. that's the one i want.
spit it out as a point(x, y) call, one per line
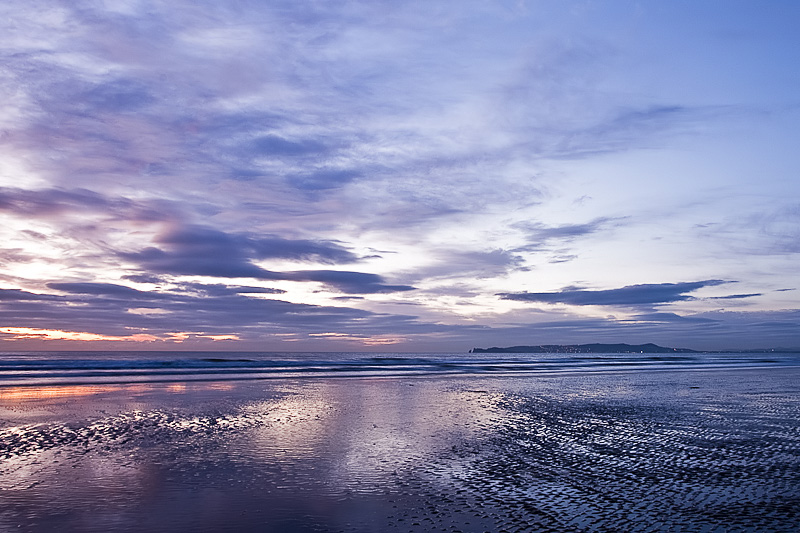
point(585, 348)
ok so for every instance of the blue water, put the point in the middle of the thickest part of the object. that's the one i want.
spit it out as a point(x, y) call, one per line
point(55, 368)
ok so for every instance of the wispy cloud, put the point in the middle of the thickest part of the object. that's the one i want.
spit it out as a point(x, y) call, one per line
point(56, 203)
point(541, 235)
point(735, 296)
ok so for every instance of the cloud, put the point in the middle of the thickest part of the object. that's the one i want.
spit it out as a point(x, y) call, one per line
point(104, 308)
point(348, 282)
point(122, 95)
point(756, 228)
point(192, 249)
point(75, 206)
point(196, 242)
point(323, 179)
point(627, 128)
point(780, 230)
point(17, 295)
point(156, 260)
point(115, 291)
point(98, 310)
point(734, 296)
point(218, 309)
point(274, 146)
point(540, 232)
point(144, 278)
point(218, 289)
point(541, 235)
point(458, 264)
point(104, 289)
point(18, 255)
point(204, 251)
point(669, 318)
point(631, 295)
point(50, 202)
point(315, 97)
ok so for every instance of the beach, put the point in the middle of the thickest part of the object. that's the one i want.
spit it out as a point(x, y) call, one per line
point(663, 450)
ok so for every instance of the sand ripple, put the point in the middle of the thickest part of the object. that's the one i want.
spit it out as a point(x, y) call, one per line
point(672, 452)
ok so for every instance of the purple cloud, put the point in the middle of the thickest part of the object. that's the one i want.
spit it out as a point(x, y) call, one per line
point(631, 295)
point(204, 251)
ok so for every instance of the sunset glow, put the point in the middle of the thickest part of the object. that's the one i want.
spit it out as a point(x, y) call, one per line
point(49, 334)
point(54, 334)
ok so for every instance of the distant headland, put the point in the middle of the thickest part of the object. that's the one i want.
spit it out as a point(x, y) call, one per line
point(585, 348)
point(619, 348)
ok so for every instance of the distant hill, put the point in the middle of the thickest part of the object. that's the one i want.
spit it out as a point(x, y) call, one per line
point(585, 348)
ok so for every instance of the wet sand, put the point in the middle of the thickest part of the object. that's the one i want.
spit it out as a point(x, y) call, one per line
point(659, 451)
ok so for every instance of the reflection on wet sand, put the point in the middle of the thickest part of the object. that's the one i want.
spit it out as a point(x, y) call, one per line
point(8, 395)
point(360, 436)
point(12, 394)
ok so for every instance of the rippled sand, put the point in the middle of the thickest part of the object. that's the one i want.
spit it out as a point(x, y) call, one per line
point(664, 451)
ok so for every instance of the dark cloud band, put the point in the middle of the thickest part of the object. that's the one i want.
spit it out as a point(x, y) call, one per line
point(644, 294)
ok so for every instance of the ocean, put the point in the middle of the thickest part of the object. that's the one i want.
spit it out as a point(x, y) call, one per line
point(69, 368)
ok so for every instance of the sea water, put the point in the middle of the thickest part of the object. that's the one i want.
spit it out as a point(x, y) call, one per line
point(52, 368)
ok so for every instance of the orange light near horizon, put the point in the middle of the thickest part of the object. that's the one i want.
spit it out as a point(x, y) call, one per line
point(82, 336)
point(178, 336)
point(58, 334)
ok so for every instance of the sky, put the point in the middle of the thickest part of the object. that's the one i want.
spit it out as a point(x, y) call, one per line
point(398, 176)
